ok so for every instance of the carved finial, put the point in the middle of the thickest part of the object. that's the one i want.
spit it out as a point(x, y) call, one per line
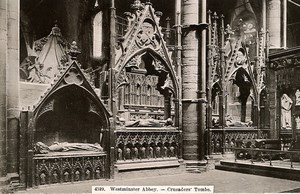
point(55, 30)
point(158, 15)
point(127, 14)
point(96, 4)
point(168, 30)
point(229, 31)
point(137, 5)
point(222, 21)
point(148, 2)
point(215, 16)
point(168, 19)
point(74, 51)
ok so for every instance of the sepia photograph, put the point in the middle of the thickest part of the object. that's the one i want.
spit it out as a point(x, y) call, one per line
point(149, 96)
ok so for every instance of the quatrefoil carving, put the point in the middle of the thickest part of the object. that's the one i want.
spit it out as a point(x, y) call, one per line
point(73, 77)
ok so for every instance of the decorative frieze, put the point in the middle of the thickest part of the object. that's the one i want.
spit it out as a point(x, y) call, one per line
point(232, 135)
point(147, 144)
point(60, 169)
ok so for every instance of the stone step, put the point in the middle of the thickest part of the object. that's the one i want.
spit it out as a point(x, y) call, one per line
point(191, 163)
point(144, 165)
point(262, 170)
point(150, 168)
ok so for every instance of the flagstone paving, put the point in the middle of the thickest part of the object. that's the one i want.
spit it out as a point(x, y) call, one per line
point(223, 182)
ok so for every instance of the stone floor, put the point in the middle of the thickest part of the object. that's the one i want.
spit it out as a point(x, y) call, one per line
point(223, 182)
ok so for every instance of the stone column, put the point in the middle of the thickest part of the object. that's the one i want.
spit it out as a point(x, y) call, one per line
point(193, 79)
point(264, 17)
point(178, 49)
point(167, 106)
point(202, 88)
point(243, 110)
point(190, 78)
point(3, 46)
point(111, 84)
point(274, 22)
point(12, 87)
point(271, 77)
point(284, 23)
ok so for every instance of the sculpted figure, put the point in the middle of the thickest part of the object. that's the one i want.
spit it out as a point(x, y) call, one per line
point(157, 152)
point(164, 152)
point(143, 123)
point(297, 94)
point(134, 153)
point(120, 154)
point(150, 123)
point(286, 105)
point(142, 152)
point(43, 178)
point(171, 151)
point(150, 152)
point(127, 153)
point(41, 148)
point(234, 123)
point(297, 122)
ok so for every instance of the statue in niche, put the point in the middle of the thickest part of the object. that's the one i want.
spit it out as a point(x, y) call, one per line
point(157, 152)
point(171, 151)
point(77, 175)
point(150, 153)
point(143, 152)
point(127, 153)
point(54, 177)
point(66, 174)
point(135, 153)
point(297, 94)
point(286, 105)
point(120, 154)
point(41, 148)
point(164, 152)
point(297, 122)
point(97, 173)
point(87, 174)
point(43, 178)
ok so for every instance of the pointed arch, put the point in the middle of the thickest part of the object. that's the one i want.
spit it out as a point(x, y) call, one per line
point(70, 110)
point(167, 67)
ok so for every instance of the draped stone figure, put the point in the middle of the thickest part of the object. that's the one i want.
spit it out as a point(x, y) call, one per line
point(297, 122)
point(286, 105)
point(41, 148)
point(297, 94)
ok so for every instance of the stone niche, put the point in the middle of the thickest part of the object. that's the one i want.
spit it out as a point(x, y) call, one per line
point(71, 120)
